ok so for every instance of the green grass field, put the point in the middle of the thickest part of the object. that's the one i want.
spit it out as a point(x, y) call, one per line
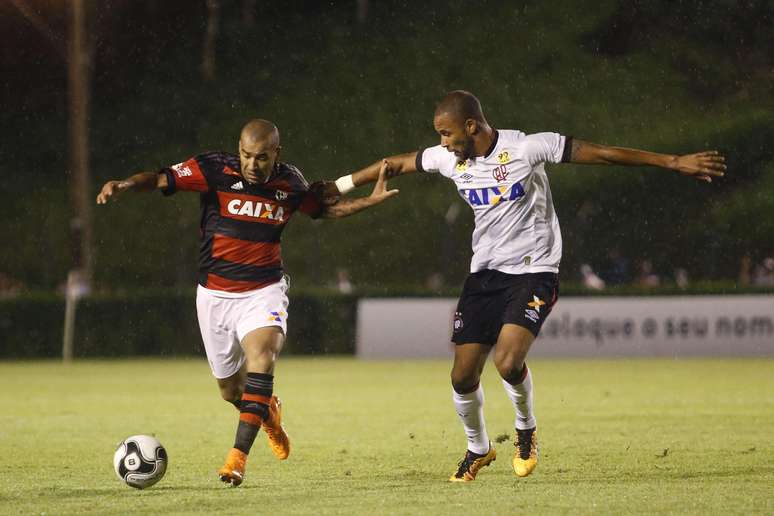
point(617, 437)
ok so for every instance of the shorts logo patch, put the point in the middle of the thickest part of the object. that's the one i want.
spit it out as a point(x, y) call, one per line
point(457, 322)
point(533, 312)
point(536, 303)
point(276, 316)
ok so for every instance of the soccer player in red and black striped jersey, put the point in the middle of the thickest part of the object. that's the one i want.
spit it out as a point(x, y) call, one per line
point(241, 301)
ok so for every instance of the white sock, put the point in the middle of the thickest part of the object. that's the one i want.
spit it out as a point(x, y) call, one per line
point(470, 408)
point(521, 397)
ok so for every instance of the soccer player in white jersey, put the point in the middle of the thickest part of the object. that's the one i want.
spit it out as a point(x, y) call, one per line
point(517, 246)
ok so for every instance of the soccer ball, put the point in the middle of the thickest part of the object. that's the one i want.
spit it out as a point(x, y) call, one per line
point(140, 461)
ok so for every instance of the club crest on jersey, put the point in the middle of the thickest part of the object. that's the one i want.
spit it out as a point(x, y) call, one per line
point(280, 195)
point(259, 210)
point(461, 166)
point(500, 173)
point(492, 195)
point(238, 186)
point(503, 157)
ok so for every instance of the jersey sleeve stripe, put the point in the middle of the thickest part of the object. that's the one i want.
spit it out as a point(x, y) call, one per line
point(419, 160)
point(567, 152)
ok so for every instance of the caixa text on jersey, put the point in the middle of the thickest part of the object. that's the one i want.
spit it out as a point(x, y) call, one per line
point(492, 195)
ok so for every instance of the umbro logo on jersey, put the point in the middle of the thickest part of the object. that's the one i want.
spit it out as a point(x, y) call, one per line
point(493, 195)
point(238, 186)
point(466, 177)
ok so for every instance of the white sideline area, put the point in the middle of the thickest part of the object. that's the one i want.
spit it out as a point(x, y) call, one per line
point(664, 326)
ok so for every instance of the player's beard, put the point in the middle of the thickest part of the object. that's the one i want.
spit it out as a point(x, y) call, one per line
point(468, 150)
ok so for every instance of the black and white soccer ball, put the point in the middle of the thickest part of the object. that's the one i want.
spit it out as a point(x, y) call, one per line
point(140, 461)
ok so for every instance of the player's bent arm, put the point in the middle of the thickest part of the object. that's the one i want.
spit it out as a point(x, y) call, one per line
point(702, 165)
point(396, 165)
point(140, 182)
point(346, 207)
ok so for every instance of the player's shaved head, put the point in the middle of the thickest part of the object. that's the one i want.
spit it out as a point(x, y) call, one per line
point(460, 105)
point(259, 148)
point(258, 130)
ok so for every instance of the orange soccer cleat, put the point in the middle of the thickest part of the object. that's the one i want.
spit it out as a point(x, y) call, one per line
point(471, 464)
point(233, 472)
point(279, 442)
point(526, 457)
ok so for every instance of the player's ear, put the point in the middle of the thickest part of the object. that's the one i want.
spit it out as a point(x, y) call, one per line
point(471, 126)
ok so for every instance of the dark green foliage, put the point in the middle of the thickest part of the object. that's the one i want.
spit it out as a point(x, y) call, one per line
point(667, 76)
point(158, 323)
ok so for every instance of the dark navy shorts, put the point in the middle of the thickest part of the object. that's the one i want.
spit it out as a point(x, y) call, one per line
point(492, 298)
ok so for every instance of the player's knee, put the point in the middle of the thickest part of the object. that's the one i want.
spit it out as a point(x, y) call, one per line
point(464, 382)
point(510, 368)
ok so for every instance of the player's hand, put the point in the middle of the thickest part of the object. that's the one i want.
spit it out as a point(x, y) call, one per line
point(326, 191)
point(702, 165)
point(381, 192)
point(111, 189)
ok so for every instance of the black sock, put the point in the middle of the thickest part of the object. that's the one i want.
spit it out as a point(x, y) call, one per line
point(253, 409)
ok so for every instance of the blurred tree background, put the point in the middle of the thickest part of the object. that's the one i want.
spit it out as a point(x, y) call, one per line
point(349, 82)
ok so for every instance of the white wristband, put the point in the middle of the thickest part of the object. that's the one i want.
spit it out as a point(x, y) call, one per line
point(345, 184)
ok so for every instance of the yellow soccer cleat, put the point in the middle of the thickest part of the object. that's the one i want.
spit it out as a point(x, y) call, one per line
point(279, 442)
point(526, 457)
point(470, 465)
point(233, 472)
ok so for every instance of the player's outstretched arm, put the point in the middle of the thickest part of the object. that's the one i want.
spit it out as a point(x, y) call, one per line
point(396, 165)
point(702, 165)
point(141, 182)
point(346, 207)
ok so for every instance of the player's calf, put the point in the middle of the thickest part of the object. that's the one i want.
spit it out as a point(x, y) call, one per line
point(253, 411)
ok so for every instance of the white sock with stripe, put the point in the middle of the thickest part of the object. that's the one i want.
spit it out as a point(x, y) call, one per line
point(521, 397)
point(470, 409)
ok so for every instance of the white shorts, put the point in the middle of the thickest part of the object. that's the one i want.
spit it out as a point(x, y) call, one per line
point(226, 317)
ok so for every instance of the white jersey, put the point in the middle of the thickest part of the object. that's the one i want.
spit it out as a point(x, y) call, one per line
point(517, 230)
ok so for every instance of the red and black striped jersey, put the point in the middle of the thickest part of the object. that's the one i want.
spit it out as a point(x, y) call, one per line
point(241, 223)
